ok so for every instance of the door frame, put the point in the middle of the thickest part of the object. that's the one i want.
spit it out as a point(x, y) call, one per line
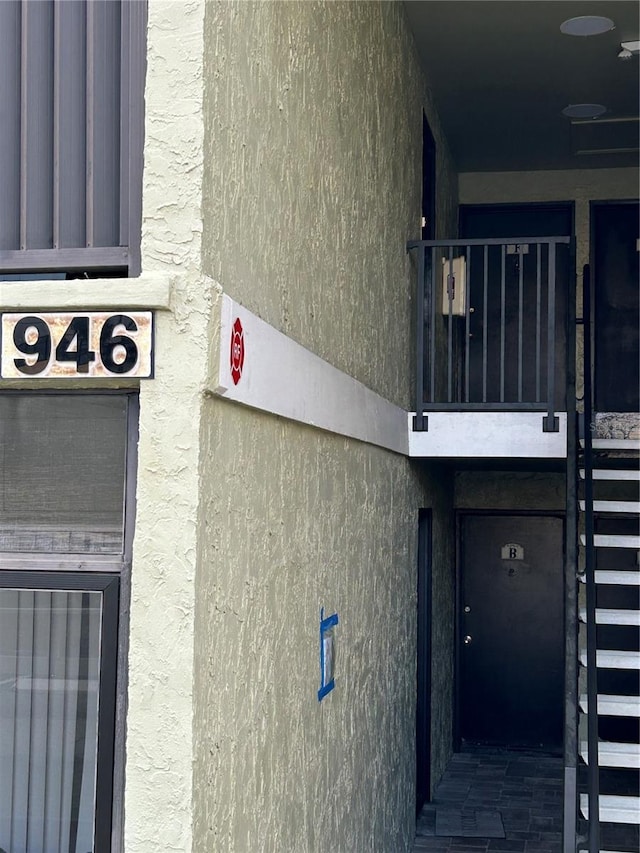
point(429, 180)
point(423, 658)
point(460, 515)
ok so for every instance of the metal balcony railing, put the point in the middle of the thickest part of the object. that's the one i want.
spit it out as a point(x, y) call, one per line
point(491, 325)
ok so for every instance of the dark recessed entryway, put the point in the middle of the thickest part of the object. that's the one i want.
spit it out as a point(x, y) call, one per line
point(614, 266)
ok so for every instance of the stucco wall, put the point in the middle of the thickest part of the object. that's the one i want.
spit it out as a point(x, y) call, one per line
point(313, 120)
point(510, 490)
point(158, 789)
point(313, 144)
point(332, 525)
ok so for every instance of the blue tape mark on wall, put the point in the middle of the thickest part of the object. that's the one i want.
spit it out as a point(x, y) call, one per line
point(327, 654)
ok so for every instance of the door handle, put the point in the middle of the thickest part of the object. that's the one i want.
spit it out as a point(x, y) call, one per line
point(467, 640)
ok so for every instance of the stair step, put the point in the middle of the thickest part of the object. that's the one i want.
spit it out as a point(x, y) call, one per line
point(614, 506)
point(612, 540)
point(614, 578)
point(605, 616)
point(613, 443)
point(613, 659)
point(614, 809)
point(613, 474)
point(614, 706)
point(614, 754)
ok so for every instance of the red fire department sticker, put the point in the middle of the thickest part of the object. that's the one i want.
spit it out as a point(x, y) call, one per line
point(237, 350)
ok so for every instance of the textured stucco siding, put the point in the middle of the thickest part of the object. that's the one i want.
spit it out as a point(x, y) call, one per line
point(313, 118)
point(158, 788)
point(510, 490)
point(312, 186)
point(333, 525)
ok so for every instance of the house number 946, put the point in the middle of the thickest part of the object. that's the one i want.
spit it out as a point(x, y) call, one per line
point(88, 344)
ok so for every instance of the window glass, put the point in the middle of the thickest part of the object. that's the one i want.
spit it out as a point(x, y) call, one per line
point(50, 648)
point(62, 458)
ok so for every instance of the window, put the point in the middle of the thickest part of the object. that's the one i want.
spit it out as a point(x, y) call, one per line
point(58, 647)
point(65, 537)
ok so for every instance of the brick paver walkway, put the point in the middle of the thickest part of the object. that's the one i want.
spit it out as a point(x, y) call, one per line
point(525, 787)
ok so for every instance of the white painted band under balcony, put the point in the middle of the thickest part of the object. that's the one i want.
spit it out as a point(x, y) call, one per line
point(488, 435)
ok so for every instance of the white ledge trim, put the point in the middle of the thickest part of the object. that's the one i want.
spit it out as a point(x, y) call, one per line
point(280, 376)
point(151, 291)
point(488, 435)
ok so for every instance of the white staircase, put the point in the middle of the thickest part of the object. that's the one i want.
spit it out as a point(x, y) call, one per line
point(613, 537)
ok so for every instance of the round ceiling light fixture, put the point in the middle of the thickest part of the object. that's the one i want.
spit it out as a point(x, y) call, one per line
point(584, 110)
point(587, 25)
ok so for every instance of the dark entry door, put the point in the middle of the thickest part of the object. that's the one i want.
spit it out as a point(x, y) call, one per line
point(615, 232)
point(511, 643)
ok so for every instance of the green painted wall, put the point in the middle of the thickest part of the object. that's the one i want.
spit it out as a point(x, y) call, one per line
point(312, 186)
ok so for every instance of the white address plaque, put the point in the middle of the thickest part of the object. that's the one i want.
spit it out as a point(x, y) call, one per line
point(81, 344)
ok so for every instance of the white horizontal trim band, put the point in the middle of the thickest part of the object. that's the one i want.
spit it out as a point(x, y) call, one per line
point(275, 374)
point(151, 291)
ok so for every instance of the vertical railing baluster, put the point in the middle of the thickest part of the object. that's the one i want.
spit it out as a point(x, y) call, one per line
point(538, 304)
point(520, 319)
point(502, 319)
point(450, 280)
point(551, 423)
point(420, 333)
point(467, 311)
point(485, 305)
point(432, 321)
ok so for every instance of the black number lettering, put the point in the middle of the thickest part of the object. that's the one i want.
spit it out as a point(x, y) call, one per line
point(110, 342)
point(40, 346)
point(78, 330)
